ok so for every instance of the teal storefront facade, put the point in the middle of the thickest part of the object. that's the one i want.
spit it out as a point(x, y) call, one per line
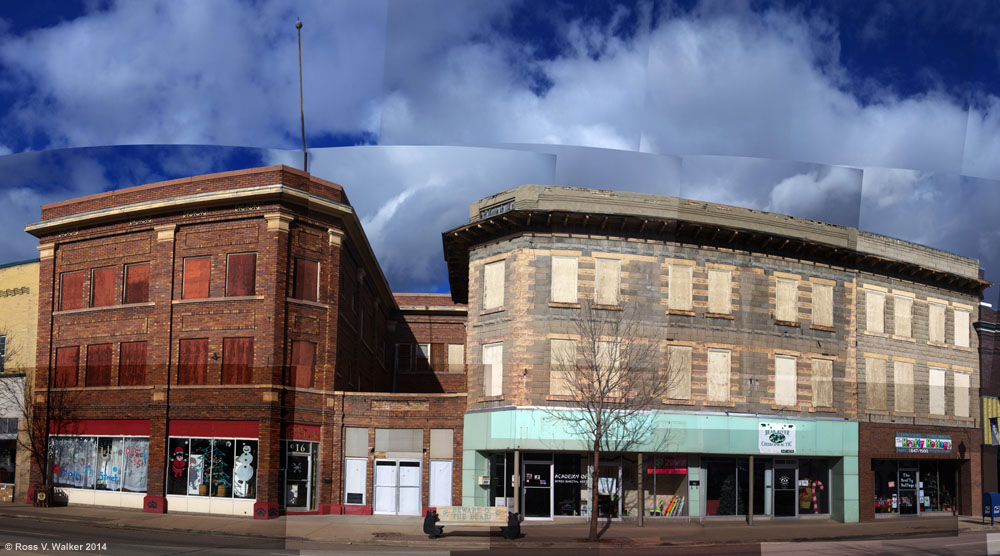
point(690, 465)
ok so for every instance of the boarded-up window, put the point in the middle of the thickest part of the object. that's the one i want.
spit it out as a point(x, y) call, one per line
point(875, 383)
point(720, 291)
point(822, 382)
point(935, 381)
point(137, 283)
point(719, 368)
point(241, 274)
point(355, 442)
point(132, 364)
point(680, 287)
point(442, 443)
point(456, 358)
point(784, 381)
point(564, 279)
point(99, 365)
point(493, 369)
point(962, 328)
point(822, 304)
point(404, 357)
point(423, 357)
point(237, 360)
point(874, 311)
point(563, 358)
point(493, 284)
point(102, 286)
point(71, 291)
point(678, 372)
point(196, 277)
point(787, 299)
point(192, 362)
point(902, 313)
point(67, 366)
point(935, 322)
point(902, 386)
point(961, 395)
point(303, 363)
point(607, 281)
point(399, 440)
point(306, 280)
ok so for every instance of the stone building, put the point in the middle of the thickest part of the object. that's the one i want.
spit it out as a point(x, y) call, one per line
point(763, 319)
point(18, 319)
point(989, 363)
point(221, 344)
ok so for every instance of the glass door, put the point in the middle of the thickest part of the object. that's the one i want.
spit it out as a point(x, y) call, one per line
point(297, 483)
point(908, 492)
point(785, 490)
point(538, 489)
point(385, 486)
point(609, 490)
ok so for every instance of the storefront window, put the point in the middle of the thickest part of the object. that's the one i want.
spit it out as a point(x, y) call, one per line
point(501, 480)
point(906, 486)
point(569, 481)
point(219, 467)
point(886, 495)
point(814, 497)
point(8, 459)
point(102, 463)
point(722, 494)
point(666, 481)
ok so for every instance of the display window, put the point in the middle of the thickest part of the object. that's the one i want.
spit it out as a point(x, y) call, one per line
point(907, 487)
point(214, 467)
point(110, 463)
point(666, 483)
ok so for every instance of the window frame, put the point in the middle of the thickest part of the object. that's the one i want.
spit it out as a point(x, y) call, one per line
point(297, 286)
point(780, 310)
point(572, 288)
point(728, 282)
point(234, 372)
point(125, 290)
point(62, 290)
point(252, 275)
point(182, 365)
point(793, 377)
point(110, 297)
point(491, 386)
point(679, 272)
point(599, 286)
point(92, 350)
point(184, 275)
point(869, 319)
point(493, 300)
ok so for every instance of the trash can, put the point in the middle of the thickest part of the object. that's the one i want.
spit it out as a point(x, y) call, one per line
point(991, 505)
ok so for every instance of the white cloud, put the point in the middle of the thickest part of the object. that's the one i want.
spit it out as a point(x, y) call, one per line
point(982, 143)
point(187, 71)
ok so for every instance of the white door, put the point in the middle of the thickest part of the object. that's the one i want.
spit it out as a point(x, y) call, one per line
point(440, 494)
point(409, 488)
point(354, 481)
point(385, 486)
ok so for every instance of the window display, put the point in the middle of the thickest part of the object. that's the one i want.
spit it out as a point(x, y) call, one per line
point(215, 467)
point(112, 463)
point(910, 487)
point(666, 484)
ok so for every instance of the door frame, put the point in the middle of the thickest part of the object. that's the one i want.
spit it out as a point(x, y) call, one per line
point(430, 480)
point(310, 476)
point(551, 463)
point(396, 488)
point(618, 483)
point(774, 489)
point(916, 491)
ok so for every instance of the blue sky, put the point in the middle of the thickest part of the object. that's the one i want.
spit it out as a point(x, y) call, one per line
point(858, 113)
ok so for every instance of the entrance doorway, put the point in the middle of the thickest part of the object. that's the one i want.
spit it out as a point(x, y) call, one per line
point(299, 460)
point(609, 490)
point(908, 491)
point(397, 487)
point(538, 488)
point(786, 490)
point(440, 483)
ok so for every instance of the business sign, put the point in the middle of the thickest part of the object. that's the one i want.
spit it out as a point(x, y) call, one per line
point(668, 465)
point(774, 438)
point(922, 443)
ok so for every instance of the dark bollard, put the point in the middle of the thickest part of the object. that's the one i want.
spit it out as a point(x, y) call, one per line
point(432, 530)
point(513, 528)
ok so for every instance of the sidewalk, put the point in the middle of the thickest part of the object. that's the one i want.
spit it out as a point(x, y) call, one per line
point(406, 531)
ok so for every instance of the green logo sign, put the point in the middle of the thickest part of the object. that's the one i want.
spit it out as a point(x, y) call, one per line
point(776, 438)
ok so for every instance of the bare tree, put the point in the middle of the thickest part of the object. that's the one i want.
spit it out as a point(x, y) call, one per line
point(613, 381)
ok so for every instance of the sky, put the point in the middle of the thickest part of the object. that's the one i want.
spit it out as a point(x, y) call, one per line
point(879, 115)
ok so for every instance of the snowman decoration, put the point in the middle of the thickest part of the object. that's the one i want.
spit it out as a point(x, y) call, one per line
point(242, 473)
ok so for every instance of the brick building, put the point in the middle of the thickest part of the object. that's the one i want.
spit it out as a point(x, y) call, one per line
point(222, 344)
point(987, 328)
point(772, 324)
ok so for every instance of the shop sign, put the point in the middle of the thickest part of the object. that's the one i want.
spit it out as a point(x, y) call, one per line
point(668, 465)
point(775, 438)
point(569, 478)
point(922, 443)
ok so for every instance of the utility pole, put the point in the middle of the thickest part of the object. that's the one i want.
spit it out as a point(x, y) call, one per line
point(302, 113)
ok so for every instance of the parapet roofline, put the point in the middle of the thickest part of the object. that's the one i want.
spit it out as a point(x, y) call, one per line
point(541, 209)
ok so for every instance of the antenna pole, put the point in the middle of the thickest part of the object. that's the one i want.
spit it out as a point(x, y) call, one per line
point(302, 114)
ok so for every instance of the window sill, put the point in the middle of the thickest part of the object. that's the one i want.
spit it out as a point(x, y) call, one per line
point(904, 338)
point(563, 305)
point(490, 399)
point(877, 412)
point(726, 316)
point(776, 407)
point(307, 303)
point(492, 311)
point(789, 323)
point(103, 308)
point(823, 409)
point(718, 404)
point(607, 307)
point(678, 402)
point(680, 312)
point(99, 388)
point(822, 327)
point(204, 386)
point(557, 398)
point(219, 299)
point(877, 334)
